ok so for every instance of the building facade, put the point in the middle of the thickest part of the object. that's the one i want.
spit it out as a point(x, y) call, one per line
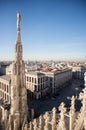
point(5, 88)
point(3, 69)
point(41, 83)
point(58, 78)
point(37, 84)
point(78, 72)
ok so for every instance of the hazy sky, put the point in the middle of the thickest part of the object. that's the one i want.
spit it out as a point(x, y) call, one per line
point(50, 29)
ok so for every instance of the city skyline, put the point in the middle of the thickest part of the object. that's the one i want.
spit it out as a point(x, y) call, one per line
point(54, 30)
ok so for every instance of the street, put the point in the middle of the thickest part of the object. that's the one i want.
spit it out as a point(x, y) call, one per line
point(41, 106)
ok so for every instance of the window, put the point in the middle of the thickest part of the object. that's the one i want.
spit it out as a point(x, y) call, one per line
point(35, 87)
point(35, 80)
point(7, 88)
point(41, 80)
point(46, 78)
point(51, 79)
point(38, 80)
point(5, 96)
point(43, 86)
point(32, 79)
point(39, 87)
point(27, 78)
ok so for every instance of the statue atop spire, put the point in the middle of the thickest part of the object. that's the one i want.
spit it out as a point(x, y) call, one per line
point(18, 21)
point(18, 40)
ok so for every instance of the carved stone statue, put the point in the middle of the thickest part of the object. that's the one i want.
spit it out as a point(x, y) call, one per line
point(18, 21)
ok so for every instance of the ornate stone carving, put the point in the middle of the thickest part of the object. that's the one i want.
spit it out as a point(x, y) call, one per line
point(54, 118)
point(72, 113)
point(41, 122)
point(62, 110)
point(47, 118)
point(31, 126)
point(18, 89)
point(35, 124)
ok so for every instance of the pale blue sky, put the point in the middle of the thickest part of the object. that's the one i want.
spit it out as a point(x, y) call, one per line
point(50, 29)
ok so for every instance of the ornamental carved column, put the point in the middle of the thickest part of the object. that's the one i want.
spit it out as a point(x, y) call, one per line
point(83, 109)
point(31, 126)
point(41, 122)
point(53, 121)
point(62, 125)
point(72, 113)
point(35, 124)
point(47, 118)
point(82, 115)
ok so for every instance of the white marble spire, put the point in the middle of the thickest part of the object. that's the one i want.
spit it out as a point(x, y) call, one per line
point(18, 46)
point(18, 89)
point(18, 40)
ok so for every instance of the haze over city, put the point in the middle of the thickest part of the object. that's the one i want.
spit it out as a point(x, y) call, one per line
point(50, 29)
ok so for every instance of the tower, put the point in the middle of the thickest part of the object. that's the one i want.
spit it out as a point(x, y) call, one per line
point(18, 89)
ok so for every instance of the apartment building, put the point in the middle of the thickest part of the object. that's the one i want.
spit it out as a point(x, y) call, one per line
point(37, 84)
point(5, 88)
point(40, 83)
point(78, 72)
point(58, 77)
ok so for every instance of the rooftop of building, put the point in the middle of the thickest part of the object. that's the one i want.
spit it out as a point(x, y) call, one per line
point(36, 73)
point(56, 70)
point(6, 77)
point(47, 71)
point(79, 66)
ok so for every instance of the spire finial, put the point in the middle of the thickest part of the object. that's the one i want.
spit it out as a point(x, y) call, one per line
point(18, 21)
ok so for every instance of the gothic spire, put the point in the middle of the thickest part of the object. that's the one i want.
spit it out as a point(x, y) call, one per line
point(18, 89)
point(18, 47)
point(18, 28)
